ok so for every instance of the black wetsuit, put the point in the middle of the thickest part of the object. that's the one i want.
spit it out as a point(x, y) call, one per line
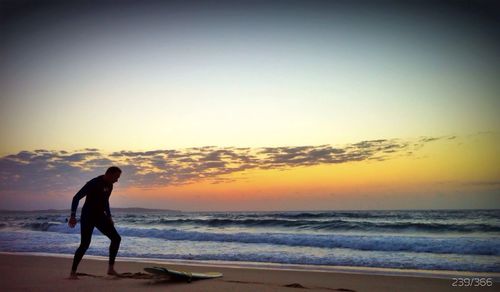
point(95, 213)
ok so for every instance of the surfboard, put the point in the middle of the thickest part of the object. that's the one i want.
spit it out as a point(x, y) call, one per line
point(188, 276)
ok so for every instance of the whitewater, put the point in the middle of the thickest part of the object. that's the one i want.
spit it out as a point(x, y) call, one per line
point(452, 240)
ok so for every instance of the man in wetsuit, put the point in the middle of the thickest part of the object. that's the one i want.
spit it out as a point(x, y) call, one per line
point(96, 213)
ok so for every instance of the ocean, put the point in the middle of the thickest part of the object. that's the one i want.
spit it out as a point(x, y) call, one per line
point(451, 240)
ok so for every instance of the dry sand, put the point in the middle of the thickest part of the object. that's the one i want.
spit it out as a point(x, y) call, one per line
point(46, 273)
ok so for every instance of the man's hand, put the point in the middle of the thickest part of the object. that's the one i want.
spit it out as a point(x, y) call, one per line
point(72, 222)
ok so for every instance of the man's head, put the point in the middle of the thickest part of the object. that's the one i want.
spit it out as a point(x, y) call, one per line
point(112, 174)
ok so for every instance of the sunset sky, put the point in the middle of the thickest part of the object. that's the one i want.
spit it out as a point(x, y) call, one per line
point(254, 105)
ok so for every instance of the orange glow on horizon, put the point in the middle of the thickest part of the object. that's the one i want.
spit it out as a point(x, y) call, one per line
point(442, 165)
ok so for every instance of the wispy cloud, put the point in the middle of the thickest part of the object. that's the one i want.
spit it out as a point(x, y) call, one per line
point(488, 183)
point(47, 170)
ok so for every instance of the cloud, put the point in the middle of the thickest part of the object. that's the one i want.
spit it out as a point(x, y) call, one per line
point(62, 171)
point(489, 183)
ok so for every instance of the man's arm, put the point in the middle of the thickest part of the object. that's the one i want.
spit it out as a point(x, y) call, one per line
point(81, 193)
point(106, 205)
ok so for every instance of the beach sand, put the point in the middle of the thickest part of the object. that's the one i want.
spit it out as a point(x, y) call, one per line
point(47, 273)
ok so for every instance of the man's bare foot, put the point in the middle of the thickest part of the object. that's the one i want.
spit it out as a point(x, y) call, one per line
point(73, 276)
point(112, 272)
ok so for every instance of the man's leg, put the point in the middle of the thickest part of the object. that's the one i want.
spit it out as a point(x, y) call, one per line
point(86, 229)
point(109, 230)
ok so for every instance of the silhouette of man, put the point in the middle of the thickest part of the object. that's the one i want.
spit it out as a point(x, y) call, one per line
point(96, 213)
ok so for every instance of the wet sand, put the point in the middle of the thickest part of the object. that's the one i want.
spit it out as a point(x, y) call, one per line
point(46, 273)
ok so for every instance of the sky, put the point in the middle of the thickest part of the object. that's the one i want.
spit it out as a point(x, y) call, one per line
point(251, 105)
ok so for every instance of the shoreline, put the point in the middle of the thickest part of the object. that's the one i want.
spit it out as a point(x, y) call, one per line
point(431, 274)
point(22, 272)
